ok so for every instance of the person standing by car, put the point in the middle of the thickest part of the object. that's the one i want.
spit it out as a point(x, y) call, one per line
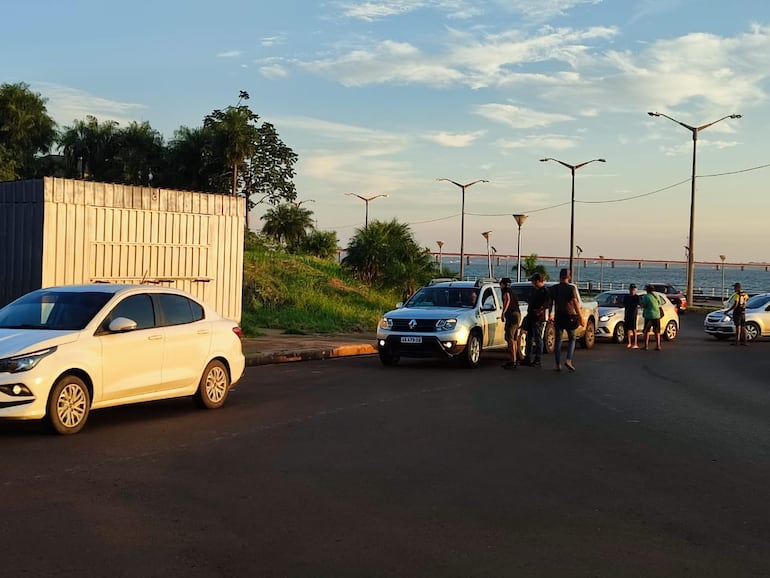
point(539, 303)
point(738, 309)
point(567, 317)
point(512, 318)
point(652, 312)
point(631, 306)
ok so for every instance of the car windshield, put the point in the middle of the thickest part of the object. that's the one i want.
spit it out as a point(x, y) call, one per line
point(611, 299)
point(444, 297)
point(757, 301)
point(54, 310)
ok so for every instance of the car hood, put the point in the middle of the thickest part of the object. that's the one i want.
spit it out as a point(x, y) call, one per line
point(608, 310)
point(431, 312)
point(20, 341)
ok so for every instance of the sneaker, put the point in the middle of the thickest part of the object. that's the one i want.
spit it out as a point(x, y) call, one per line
point(568, 365)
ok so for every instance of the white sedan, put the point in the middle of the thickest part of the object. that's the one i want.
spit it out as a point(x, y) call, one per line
point(720, 323)
point(67, 350)
point(612, 316)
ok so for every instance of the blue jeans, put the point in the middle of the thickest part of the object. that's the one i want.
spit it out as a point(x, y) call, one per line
point(570, 343)
point(535, 337)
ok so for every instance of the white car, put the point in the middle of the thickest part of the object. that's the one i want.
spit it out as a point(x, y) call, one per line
point(67, 350)
point(612, 316)
point(720, 323)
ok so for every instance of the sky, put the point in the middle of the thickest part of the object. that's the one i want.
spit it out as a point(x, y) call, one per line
point(384, 97)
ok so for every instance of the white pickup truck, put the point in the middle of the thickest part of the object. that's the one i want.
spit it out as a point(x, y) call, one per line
point(450, 319)
point(586, 335)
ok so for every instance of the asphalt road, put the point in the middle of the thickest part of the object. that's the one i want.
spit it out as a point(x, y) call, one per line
point(641, 463)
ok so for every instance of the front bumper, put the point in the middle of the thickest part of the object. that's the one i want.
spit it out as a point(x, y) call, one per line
point(719, 328)
point(400, 345)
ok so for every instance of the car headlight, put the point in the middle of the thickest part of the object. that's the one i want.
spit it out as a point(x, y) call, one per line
point(446, 324)
point(24, 362)
point(606, 317)
point(727, 317)
point(386, 323)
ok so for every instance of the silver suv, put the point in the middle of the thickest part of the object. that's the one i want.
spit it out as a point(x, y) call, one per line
point(450, 319)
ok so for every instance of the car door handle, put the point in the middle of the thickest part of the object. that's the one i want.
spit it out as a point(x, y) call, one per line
point(155, 337)
point(203, 331)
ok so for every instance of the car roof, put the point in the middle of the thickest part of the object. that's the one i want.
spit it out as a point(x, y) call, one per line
point(115, 288)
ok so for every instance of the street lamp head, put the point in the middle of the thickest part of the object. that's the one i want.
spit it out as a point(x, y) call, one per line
point(544, 160)
point(520, 218)
point(736, 116)
point(486, 234)
point(602, 160)
point(654, 113)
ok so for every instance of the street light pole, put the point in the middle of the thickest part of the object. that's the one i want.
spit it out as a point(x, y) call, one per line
point(366, 200)
point(440, 259)
point(577, 271)
point(462, 221)
point(486, 235)
point(722, 294)
point(572, 168)
point(691, 242)
point(520, 218)
point(601, 272)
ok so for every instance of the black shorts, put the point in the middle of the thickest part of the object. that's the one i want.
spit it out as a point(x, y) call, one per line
point(512, 325)
point(653, 324)
point(739, 318)
point(630, 323)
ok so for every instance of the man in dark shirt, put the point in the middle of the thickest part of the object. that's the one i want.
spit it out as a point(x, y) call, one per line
point(631, 305)
point(539, 303)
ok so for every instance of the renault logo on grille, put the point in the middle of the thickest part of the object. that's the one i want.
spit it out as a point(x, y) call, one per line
point(412, 324)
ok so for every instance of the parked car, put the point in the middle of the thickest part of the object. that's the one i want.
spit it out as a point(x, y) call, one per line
point(720, 323)
point(678, 298)
point(612, 317)
point(65, 351)
point(446, 318)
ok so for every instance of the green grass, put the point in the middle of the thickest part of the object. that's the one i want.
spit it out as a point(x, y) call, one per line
point(302, 295)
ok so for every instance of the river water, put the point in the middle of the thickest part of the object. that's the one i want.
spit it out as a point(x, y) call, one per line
point(708, 279)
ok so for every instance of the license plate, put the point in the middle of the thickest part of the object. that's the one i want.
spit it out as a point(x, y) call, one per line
point(411, 340)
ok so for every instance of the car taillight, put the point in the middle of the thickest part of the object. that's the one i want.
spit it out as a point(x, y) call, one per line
point(238, 332)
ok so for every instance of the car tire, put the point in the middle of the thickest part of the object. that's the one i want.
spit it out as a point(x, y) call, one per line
point(619, 333)
point(68, 405)
point(671, 331)
point(387, 358)
point(472, 352)
point(589, 337)
point(213, 387)
point(549, 339)
point(752, 331)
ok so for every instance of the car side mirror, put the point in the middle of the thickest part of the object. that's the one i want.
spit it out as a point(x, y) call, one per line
point(122, 325)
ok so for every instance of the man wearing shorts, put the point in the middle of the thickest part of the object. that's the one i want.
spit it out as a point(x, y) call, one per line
point(738, 309)
point(631, 305)
point(512, 318)
point(651, 313)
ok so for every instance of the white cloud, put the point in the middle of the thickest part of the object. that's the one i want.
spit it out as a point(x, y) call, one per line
point(274, 71)
point(66, 104)
point(274, 40)
point(229, 54)
point(544, 142)
point(458, 140)
point(518, 117)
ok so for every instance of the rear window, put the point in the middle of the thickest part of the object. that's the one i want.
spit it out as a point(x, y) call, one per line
point(178, 310)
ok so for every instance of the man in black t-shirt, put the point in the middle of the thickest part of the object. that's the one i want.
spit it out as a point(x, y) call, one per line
point(631, 306)
point(539, 303)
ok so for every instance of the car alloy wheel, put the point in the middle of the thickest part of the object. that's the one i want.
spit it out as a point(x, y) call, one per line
point(671, 331)
point(752, 331)
point(213, 386)
point(69, 405)
point(473, 350)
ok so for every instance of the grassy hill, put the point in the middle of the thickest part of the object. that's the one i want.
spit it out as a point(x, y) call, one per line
point(302, 294)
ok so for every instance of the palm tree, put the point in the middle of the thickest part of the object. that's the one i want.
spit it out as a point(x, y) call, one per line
point(288, 224)
point(385, 253)
point(139, 150)
point(531, 266)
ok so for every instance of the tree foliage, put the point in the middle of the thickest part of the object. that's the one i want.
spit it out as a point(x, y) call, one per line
point(26, 131)
point(322, 244)
point(531, 266)
point(288, 224)
point(386, 254)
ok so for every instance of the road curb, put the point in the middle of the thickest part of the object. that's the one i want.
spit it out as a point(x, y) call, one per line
point(314, 354)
